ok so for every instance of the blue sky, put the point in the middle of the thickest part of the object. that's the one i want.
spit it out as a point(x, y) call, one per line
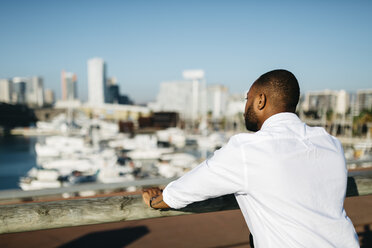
point(326, 44)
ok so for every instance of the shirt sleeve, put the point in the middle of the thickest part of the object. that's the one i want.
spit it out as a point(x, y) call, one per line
point(224, 173)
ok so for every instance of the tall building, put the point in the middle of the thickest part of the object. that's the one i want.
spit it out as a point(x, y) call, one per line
point(113, 93)
point(342, 103)
point(198, 93)
point(217, 97)
point(5, 90)
point(49, 97)
point(326, 100)
point(175, 96)
point(97, 81)
point(69, 86)
point(363, 100)
point(35, 91)
point(19, 95)
point(111, 81)
point(187, 97)
point(236, 105)
point(124, 99)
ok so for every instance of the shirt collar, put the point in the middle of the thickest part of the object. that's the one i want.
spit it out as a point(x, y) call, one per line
point(284, 117)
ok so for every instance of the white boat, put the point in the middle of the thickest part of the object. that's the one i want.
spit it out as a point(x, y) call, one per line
point(212, 142)
point(66, 166)
point(176, 164)
point(40, 179)
point(47, 175)
point(34, 184)
point(46, 151)
point(166, 170)
point(144, 154)
point(183, 160)
point(62, 146)
point(64, 141)
point(173, 136)
point(48, 178)
point(115, 174)
point(142, 141)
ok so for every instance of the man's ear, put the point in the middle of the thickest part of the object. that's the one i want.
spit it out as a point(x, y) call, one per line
point(261, 101)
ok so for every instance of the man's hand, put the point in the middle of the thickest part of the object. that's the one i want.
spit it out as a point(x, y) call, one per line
point(153, 197)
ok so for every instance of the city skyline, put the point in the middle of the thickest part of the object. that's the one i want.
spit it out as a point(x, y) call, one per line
point(326, 45)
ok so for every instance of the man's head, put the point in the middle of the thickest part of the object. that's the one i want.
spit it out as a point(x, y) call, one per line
point(274, 92)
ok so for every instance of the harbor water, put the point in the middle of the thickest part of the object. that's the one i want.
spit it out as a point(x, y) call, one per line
point(17, 157)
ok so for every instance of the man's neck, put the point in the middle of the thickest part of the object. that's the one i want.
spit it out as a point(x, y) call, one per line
point(268, 115)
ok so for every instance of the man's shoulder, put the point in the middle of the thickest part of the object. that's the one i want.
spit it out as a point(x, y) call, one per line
point(247, 138)
point(319, 131)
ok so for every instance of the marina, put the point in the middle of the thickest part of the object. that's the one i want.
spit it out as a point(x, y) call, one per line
point(94, 151)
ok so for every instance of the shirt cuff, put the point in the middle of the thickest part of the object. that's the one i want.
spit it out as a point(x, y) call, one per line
point(171, 201)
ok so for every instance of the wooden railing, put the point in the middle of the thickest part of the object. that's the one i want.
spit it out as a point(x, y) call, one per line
point(67, 213)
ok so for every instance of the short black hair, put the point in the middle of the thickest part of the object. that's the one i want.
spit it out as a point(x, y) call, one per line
point(282, 86)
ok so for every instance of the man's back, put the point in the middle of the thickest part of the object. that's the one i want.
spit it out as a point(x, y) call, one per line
point(289, 180)
point(295, 186)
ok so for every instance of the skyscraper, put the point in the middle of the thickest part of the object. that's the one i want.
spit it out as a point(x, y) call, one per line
point(20, 90)
point(363, 100)
point(69, 86)
point(217, 96)
point(113, 93)
point(187, 97)
point(49, 97)
point(35, 91)
point(5, 90)
point(199, 93)
point(320, 101)
point(97, 81)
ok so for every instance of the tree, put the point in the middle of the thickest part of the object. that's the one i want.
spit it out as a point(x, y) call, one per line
point(360, 122)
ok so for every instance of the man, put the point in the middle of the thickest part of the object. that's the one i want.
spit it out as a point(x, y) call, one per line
point(289, 179)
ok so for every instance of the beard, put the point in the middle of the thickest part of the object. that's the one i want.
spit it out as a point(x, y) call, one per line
point(251, 120)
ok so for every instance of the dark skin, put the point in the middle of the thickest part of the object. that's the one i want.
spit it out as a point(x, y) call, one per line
point(261, 104)
point(156, 194)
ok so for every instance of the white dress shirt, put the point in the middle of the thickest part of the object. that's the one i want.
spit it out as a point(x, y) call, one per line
point(289, 180)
